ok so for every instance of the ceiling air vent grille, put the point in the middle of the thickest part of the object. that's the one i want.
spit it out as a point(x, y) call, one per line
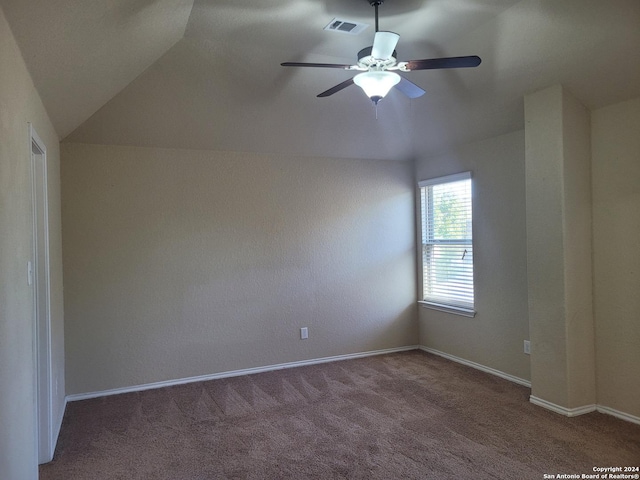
point(345, 26)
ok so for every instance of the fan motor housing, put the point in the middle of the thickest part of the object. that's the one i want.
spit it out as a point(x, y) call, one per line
point(366, 60)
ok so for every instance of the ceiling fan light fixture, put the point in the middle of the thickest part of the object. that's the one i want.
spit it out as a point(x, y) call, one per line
point(376, 85)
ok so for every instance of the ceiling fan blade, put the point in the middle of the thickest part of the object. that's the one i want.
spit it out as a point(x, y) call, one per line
point(449, 62)
point(337, 88)
point(410, 89)
point(319, 65)
point(384, 43)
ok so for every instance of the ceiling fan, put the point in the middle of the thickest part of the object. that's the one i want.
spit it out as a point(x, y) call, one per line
point(378, 64)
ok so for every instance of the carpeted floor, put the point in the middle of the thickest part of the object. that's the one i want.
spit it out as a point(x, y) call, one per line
point(407, 415)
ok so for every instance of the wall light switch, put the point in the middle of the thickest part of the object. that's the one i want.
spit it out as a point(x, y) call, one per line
point(527, 347)
point(304, 333)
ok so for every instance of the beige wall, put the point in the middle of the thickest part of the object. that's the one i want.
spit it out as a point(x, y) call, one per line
point(558, 181)
point(494, 338)
point(19, 104)
point(616, 236)
point(181, 263)
point(578, 263)
point(545, 250)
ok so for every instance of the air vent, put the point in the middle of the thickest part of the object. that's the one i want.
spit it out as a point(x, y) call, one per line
point(345, 26)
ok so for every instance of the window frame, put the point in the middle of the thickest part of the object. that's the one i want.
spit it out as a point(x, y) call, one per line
point(467, 311)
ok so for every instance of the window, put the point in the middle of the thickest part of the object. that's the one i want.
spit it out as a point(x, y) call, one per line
point(447, 244)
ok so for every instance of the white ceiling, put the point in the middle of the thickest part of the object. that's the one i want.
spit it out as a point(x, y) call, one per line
point(206, 74)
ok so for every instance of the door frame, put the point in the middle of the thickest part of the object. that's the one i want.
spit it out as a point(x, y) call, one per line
point(41, 298)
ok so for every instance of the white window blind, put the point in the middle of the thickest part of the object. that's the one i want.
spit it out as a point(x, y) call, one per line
point(447, 241)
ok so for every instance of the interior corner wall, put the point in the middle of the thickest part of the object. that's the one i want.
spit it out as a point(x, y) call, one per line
point(578, 250)
point(559, 249)
point(20, 104)
point(181, 263)
point(616, 257)
point(543, 127)
point(494, 337)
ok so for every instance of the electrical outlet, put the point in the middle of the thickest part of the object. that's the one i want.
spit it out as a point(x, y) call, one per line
point(527, 347)
point(304, 333)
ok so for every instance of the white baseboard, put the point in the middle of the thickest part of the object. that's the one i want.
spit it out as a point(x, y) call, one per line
point(619, 414)
point(233, 373)
point(477, 366)
point(574, 412)
point(567, 412)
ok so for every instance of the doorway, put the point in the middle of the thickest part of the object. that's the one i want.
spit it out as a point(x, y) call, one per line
point(42, 298)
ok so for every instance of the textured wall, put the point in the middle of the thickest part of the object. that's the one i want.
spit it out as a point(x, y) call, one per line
point(19, 104)
point(616, 257)
point(495, 336)
point(558, 168)
point(181, 263)
point(545, 245)
point(578, 265)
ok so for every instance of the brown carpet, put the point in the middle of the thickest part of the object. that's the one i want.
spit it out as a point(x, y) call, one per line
point(399, 416)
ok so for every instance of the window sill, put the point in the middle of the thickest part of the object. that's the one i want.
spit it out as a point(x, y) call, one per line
point(464, 312)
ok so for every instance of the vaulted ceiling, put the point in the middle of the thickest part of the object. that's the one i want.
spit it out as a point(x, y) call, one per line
point(206, 74)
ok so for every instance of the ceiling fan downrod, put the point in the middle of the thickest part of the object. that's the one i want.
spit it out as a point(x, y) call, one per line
point(376, 4)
